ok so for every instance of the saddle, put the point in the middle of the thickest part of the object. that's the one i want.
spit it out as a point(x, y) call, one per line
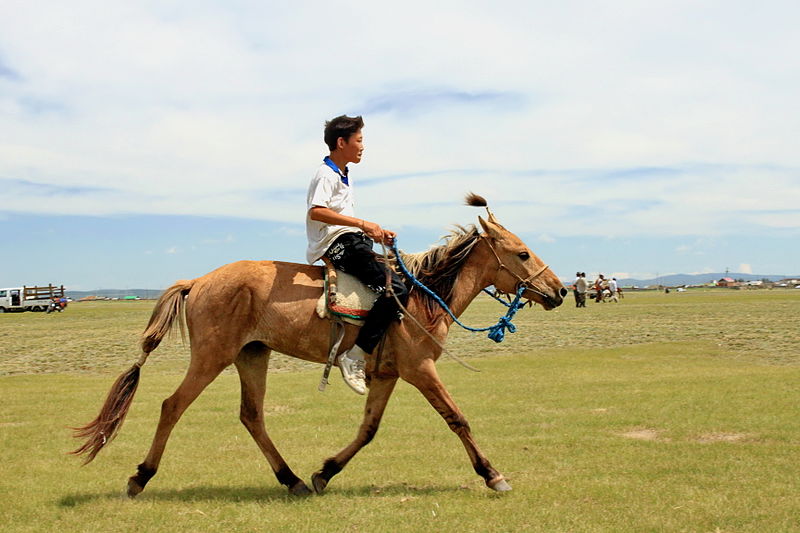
point(344, 298)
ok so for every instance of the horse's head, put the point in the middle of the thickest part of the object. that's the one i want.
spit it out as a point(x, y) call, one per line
point(517, 266)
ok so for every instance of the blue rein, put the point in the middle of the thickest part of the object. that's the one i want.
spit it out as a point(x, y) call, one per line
point(497, 332)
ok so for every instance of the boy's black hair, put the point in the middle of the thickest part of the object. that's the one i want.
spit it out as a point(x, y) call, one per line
point(342, 126)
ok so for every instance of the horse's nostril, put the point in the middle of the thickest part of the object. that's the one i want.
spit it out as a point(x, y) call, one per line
point(563, 292)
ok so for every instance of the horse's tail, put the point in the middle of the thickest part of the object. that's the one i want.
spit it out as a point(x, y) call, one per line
point(168, 309)
point(104, 428)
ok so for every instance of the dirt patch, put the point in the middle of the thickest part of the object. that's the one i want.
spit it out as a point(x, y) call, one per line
point(641, 434)
point(721, 437)
point(277, 410)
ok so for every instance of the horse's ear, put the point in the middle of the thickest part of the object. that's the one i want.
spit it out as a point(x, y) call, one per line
point(491, 228)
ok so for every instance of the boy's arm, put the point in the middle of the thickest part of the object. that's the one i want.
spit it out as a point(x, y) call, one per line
point(373, 230)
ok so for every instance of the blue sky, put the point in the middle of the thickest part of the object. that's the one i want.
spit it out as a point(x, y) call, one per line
point(146, 142)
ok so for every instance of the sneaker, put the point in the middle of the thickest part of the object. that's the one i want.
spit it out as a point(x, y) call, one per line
point(352, 367)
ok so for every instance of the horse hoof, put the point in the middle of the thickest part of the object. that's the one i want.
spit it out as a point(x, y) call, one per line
point(300, 489)
point(318, 482)
point(133, 488)
point(501, 486)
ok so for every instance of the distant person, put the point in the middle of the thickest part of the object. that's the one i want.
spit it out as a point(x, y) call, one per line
point(599, 285)
point(575, 289)
point(55, 305)
point(580, 287)
point(612, 288)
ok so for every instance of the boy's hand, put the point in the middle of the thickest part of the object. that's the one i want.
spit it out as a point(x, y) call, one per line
point(372, 230)
point(377, 233)
point(388, 237)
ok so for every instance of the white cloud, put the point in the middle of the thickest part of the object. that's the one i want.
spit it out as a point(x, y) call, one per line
point(745, 268)
point(595, 125)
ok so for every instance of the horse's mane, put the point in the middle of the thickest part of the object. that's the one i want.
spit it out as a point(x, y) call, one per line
point(438, 268)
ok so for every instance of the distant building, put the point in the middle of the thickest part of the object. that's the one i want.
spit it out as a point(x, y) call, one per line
point(727, 282)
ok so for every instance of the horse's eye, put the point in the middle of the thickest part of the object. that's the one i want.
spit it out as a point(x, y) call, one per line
point(524, 256)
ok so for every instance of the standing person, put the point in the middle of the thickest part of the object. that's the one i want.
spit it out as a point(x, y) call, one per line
point(581, 286)
point(575, 289)
point(612, 287)
point(334, 231)
point(598, 287)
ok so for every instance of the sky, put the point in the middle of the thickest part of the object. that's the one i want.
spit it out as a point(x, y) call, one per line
point(144, 142)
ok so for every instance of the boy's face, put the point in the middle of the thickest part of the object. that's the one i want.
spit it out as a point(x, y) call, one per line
point(352, 148)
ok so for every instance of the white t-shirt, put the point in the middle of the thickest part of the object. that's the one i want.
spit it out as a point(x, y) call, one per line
point(580, 285)
point(612, 285)
point(327, 190)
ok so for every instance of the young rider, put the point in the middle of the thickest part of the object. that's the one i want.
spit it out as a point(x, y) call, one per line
point(334, 231)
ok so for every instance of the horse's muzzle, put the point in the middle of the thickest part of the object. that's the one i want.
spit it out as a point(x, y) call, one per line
point(549, 301)
point(558, 299)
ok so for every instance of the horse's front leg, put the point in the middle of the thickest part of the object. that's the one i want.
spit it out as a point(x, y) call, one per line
point(426, 379)
point(380, 390)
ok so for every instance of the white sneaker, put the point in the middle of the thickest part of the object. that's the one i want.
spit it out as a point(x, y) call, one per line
point(352, 363)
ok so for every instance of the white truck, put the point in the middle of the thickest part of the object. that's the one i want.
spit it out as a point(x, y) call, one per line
point(30, 298)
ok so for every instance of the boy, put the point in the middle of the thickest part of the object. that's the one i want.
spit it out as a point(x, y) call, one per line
point(334, 231)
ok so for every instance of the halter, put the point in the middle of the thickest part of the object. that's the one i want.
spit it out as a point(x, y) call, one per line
point(523, 282)
point(496, 332)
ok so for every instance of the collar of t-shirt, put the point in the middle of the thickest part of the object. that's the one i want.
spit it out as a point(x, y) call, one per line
point(328, 161)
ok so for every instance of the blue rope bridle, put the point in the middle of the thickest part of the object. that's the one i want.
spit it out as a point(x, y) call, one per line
point(497, 332)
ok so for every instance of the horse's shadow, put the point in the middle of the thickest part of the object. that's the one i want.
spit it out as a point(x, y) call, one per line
point(235, 494)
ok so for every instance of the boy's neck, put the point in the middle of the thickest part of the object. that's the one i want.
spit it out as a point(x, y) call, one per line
point(339, 160)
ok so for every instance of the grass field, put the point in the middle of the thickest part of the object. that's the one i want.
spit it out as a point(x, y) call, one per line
point(670, 412)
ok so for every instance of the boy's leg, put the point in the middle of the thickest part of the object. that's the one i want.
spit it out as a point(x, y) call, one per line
point(357, 259)
point(382, 314)
point(352, 253)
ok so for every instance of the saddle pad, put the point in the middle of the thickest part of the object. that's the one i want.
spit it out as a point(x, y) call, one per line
point(351, 302)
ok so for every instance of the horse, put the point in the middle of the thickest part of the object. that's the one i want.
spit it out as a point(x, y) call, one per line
point(241, 312)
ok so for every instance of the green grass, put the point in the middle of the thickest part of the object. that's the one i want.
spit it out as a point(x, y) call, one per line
point(663, 413)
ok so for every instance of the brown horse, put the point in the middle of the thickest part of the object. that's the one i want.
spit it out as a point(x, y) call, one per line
point(242, 311)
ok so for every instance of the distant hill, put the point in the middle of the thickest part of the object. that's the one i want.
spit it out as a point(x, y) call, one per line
point(115, 293)
point(673, 280)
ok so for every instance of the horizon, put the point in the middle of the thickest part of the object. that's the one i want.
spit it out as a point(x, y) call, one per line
point(145, 143)
point(564, 279)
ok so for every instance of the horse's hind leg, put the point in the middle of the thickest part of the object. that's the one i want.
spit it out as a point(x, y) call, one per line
point(252, 364)
point(426, 379)
point(201, 372)
point(380, 390)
